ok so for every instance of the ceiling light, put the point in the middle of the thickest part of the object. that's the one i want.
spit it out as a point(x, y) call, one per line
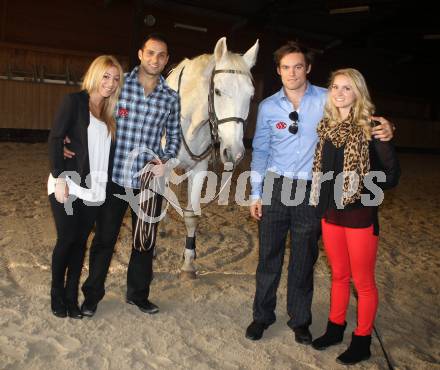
point(352, 9)
point(434, 36)
point(189, 27)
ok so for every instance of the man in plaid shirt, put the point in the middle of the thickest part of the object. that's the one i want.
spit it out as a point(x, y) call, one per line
point(141, 121)
point(146, 109)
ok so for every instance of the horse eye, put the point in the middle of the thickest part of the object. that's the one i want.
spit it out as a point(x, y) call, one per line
point(217, 92)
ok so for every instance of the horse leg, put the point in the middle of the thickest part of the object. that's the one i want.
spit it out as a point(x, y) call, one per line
point(188, 270)
point(191, 217)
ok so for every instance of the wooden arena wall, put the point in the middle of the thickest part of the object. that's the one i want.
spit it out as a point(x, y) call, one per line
point(46, 40)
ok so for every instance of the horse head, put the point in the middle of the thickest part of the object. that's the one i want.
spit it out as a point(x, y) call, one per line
point(231, 90)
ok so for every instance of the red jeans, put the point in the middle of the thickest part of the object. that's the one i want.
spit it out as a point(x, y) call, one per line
point(352, 253)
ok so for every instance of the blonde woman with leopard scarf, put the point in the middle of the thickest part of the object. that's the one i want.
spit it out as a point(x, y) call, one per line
point(347, 153)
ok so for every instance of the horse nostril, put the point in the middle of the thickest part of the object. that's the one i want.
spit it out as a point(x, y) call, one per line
point(226, 153)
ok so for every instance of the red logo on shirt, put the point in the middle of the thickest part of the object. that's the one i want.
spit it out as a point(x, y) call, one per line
point(123, 112)
point(280, 125)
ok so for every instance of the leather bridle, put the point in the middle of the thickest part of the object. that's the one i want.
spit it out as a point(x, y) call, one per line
point(213, 120)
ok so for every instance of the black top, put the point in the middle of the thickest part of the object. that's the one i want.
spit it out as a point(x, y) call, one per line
point(72, 119)
point(357, 215)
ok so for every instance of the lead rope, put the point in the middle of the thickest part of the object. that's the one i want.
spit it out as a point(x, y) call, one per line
point(387, 357)
point(146, 180)
point(144, 232)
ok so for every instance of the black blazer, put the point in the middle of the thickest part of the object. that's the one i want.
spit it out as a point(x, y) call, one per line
point(382, 158)
point(72, 119)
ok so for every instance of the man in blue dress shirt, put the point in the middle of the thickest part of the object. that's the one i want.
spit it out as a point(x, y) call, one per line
point(282, 158)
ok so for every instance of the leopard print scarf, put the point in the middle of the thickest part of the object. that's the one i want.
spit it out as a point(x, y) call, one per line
point(356, 158)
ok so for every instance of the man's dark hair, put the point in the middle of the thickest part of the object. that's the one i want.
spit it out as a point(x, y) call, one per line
point(293, 47)
point(154, 36)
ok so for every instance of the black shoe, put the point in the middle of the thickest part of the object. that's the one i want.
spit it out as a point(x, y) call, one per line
point(60, 311)
point(145, 306)
point(73, 310)
point(303, 335)
point(255, 330)
point(333, 335)
point(88, 309)
point(58, 306)
point(359, 350)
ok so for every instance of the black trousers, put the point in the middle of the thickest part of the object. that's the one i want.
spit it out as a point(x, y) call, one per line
point(277, 220)
point(108, 225)
point(68, 253)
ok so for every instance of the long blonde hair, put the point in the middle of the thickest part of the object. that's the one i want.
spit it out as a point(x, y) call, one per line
point(93, 78)
point(363, 107)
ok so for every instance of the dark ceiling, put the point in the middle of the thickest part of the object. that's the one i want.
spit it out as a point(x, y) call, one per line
point(401, 29)
point(393, 42)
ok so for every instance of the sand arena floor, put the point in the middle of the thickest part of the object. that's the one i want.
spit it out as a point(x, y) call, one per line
point(201, 324)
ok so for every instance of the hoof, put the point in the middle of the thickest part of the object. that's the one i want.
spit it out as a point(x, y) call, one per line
point(187, 275)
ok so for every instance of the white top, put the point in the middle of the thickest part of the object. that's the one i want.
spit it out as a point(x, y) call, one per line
point(99, 141)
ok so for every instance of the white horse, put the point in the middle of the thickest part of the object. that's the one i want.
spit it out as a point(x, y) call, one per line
point(215, 92)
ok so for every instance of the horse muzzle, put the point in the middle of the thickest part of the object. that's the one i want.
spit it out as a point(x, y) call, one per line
point(229, 154)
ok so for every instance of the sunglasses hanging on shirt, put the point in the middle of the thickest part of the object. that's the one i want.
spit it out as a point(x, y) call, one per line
point(293, 116)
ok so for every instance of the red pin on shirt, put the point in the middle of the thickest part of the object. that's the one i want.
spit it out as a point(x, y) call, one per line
point(123, 112)
point(281, 125)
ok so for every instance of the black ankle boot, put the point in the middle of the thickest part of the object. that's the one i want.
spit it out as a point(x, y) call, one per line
point(359, 350)
point(333, 335)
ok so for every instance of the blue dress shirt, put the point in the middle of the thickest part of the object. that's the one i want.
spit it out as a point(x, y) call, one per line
point(275, 149)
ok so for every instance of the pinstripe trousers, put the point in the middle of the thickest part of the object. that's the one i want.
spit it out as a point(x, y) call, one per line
point(304, 226)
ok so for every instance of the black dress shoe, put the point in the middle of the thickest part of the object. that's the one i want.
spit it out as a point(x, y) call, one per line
point(255, 330)
point(73, 310)
point(60, 312)
point(303, 335)
point(58, 307)
point(145, 306)
point(88, 309)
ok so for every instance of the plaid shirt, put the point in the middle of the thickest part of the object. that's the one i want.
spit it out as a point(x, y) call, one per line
point(140, 124)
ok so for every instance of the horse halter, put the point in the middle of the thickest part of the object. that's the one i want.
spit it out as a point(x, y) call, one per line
point(214, 121)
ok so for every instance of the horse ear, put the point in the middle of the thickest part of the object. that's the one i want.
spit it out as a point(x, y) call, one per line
point(220, 49)
point(250, 57)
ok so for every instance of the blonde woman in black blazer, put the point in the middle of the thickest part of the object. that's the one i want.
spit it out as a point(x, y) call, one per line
point(76, 186)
